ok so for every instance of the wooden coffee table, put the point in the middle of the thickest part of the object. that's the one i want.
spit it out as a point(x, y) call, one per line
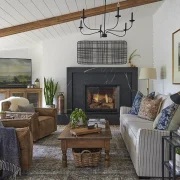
point(95, 140)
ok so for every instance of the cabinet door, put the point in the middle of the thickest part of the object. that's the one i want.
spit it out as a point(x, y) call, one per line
point(17, 92)
point(4, 94)
point(34, 97)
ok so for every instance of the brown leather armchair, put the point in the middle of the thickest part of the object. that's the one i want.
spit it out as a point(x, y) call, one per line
point(25, 141)
point(42, 123)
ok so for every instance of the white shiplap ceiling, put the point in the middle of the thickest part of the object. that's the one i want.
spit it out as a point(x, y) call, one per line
point(15, 12)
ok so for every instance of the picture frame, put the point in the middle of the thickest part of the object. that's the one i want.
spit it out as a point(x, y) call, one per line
point(176, 57)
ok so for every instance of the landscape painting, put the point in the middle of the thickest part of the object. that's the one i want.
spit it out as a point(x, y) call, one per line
point(15, 73)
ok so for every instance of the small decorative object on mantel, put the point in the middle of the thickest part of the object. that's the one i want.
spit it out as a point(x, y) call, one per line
point(78, 118)
point(132, 55)
point(37, 83)
point(50, 88)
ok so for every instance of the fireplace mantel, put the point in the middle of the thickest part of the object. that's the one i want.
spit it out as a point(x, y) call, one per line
point(78, 78)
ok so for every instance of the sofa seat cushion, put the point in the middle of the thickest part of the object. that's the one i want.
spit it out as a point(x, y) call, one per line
point(132, 124)
point(46, 125)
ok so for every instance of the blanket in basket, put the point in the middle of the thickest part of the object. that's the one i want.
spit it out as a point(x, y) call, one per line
point(9, 154)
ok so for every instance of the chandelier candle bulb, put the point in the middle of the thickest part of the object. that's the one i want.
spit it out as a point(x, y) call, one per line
point(132, 16)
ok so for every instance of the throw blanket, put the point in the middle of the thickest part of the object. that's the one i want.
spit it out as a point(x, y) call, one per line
point(9, 154)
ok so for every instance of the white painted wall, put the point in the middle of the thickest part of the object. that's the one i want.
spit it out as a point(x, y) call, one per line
point(165, 22)
point(35, 53)
point(62, 53)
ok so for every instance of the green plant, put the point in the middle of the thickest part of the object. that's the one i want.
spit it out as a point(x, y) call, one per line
point(50, 88)
point(178, 151)
point(132, 55)
point(75, 117)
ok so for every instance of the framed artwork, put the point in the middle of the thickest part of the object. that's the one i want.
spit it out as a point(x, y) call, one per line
point(176, 57)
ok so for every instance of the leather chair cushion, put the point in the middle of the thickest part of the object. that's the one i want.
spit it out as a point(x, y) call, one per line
point(46, 125)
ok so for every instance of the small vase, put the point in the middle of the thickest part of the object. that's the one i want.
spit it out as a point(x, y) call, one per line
point(50, 106)
point(80, 123)
point(177, 160)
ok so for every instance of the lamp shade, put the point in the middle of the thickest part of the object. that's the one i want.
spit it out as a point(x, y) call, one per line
point(147, 73)
point(175, 98)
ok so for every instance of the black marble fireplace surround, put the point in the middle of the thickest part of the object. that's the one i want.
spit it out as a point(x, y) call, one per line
point(78, 78)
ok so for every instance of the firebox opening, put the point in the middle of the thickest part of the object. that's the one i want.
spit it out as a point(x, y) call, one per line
point(102, 98)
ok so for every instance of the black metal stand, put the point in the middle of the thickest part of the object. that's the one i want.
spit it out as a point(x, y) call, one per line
point(174, 142)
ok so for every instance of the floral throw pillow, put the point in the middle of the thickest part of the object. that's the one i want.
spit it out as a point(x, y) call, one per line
point(149, 108)
point(137, 102)
point(166, 117)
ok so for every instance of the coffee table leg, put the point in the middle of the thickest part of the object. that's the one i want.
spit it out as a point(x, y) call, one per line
point(107, 158)
point(64, 156)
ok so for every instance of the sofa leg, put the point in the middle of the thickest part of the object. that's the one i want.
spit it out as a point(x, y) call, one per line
point(140, 177)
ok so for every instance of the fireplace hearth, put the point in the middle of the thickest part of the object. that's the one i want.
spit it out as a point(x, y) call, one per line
point(101, 98)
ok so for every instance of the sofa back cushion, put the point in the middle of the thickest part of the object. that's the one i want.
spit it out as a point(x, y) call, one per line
point(149, 108)
point(167, 116)
point(137, 102)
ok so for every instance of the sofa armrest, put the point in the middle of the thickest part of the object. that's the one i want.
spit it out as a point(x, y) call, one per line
point(149, 152)
point(124, 110)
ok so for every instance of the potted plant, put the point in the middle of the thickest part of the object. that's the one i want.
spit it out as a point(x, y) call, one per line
point(132, 55)
point(78, 118)
point(2, 115)
point(178, 157)
point(50, 88)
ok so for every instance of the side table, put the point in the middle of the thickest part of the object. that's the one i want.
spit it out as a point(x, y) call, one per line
point(174, 142)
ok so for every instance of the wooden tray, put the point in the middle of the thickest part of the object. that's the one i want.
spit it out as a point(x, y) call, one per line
point(82, 131)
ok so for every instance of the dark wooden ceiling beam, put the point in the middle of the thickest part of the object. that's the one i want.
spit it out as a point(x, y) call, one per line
point(71, 17)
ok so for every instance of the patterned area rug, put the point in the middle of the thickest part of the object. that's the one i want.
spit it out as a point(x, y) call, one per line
point(47, 162)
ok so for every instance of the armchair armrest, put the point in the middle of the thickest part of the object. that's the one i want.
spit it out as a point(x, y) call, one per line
point(149, 150)
point(47, 112)
point(124, 110)
point(16, 123)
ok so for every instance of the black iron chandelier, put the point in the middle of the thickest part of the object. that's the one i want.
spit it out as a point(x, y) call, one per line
point(103, 32)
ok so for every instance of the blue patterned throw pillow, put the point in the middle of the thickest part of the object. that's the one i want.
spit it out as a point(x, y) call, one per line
point(166, 117)
point(137, 102)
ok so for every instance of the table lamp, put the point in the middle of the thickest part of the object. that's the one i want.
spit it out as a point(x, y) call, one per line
point(147, 74)
point(175, 98)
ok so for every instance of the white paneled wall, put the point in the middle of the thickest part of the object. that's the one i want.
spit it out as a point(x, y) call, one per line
point(165, 22)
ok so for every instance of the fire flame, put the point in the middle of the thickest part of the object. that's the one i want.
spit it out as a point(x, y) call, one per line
point(106, 98)
point(96, 97)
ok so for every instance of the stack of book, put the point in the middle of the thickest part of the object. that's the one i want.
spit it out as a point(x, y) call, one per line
point(100, 123)
point(177, 167)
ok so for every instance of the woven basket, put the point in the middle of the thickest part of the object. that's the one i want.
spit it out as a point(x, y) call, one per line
point(87, 158)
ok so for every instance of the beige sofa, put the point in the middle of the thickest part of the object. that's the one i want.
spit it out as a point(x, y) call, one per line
point(143, 142)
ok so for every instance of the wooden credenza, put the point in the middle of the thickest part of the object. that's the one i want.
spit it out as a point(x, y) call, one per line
point(34, 95)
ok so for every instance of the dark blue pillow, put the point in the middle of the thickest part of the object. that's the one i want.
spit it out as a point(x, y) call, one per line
point(166, 117)
point(137, 102)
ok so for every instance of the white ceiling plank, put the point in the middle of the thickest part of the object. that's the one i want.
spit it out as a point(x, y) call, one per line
point(66, 28)
point(4, 23)
point(10, 7)
point(62, 6)
point(41, 6)
point(52, 7)
point(59, 30)
point(72, 6)
point(7, 17)
point(32, 9)
point(38, 33)
point(33, 36)
point(72, 26)
point(81, 4)
point(46, 33)
point(52, 31)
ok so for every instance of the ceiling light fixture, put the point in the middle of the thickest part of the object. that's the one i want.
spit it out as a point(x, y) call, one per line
point(102, 30)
